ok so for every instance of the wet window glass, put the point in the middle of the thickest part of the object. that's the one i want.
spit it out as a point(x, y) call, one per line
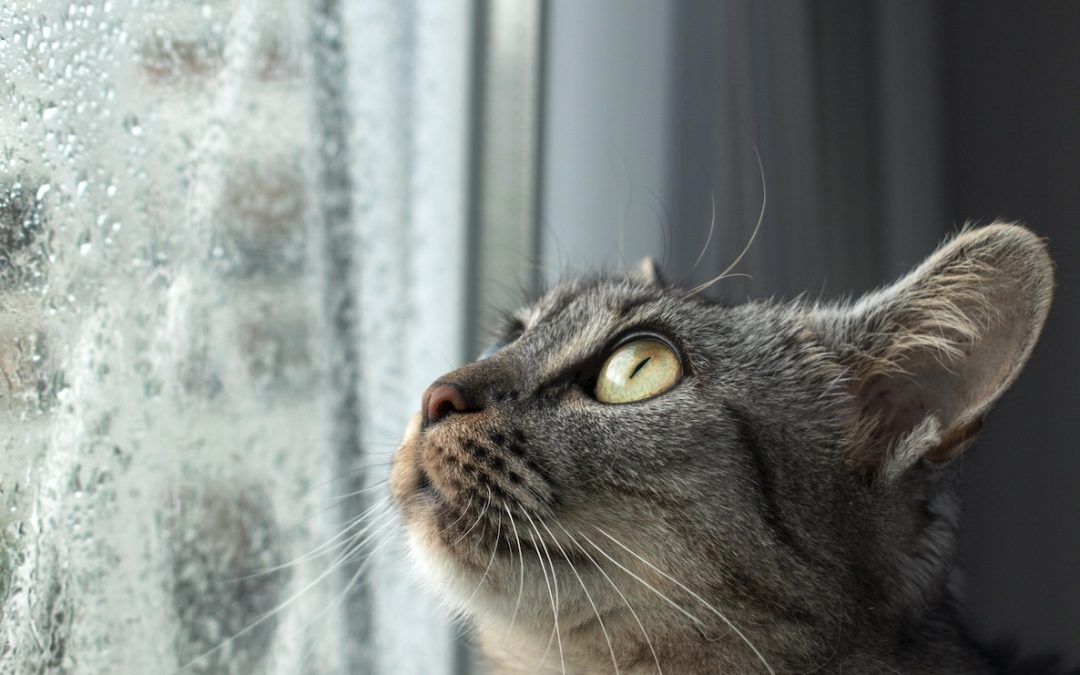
point(213, 218)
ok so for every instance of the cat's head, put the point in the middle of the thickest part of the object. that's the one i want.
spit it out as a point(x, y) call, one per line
point(755, 473)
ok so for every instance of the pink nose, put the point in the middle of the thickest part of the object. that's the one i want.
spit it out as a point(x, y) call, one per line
point(440, 400)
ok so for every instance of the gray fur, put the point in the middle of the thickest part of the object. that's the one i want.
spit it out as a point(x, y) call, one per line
point(790, 506)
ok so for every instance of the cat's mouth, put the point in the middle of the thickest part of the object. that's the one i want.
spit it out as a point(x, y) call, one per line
point(482, 515)
point(467, 485)
point(498, 524)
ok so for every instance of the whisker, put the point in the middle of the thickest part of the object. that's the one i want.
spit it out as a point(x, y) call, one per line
point(753, 235)
point(588, 596)
point(494, 550)
point(337, 499)
point(477, 522)
point(708, 237)
point(697, 597)
point(521, 559)
point(323, 504)
point(698, 622)
point(321, 549)
point(483, 530)
point(624, 214)
point(351, 474)
point(614, 587)
point(555, 597)
point(461, 515)
point(347, 473)
point(281, 606)
point(341, 596)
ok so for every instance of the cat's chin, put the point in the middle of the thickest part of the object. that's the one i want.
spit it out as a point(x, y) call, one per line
point(470, 573)
point(456, 581)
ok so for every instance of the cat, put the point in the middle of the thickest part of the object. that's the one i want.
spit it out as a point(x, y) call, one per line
point(638, 479)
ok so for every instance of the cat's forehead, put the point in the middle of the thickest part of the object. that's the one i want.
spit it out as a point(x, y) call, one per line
point(577, 301)
point(576, 319)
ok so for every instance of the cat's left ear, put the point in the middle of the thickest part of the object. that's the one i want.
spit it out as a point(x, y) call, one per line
point(648, 270)
point(928, 356)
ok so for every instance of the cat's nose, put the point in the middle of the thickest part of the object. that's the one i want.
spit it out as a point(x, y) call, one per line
point(440, 400)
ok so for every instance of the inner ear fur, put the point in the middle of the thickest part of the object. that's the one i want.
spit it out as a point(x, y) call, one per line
point(929, 355)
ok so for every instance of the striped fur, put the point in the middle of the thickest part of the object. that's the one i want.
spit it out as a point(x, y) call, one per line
point(789, 506)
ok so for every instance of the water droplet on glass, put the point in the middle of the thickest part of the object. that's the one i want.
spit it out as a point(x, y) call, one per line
point(49, 112)
point(84, 242)
point(80, 189)
point(131, 123)
point(111, 190)
point(42, 191)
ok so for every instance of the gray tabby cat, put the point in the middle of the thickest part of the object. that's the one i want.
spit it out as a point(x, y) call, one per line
point(641, 480)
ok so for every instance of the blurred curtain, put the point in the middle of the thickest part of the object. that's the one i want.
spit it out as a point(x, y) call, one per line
point(654, 111)
point(842, 102)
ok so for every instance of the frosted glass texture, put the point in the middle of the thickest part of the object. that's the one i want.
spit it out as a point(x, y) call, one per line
point(228, 231)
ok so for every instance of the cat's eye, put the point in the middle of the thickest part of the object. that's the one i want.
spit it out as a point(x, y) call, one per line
point(638, 370)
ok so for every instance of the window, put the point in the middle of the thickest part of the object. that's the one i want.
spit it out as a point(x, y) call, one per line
point(234, 253)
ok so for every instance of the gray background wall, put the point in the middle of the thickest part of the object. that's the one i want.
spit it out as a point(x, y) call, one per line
point(881, 126)
point(1012, 86)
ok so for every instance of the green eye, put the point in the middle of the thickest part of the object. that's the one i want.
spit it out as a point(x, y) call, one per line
point(638, 370)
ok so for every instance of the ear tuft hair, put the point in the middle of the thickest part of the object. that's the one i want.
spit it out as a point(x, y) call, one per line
point(648, 271)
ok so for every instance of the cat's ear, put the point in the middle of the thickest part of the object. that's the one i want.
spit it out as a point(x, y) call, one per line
point(929, 355)
point(648, 270)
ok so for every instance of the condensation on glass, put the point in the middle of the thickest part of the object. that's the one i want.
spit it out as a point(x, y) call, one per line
point(216, 304)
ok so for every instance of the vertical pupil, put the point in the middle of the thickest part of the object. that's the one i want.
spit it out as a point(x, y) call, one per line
point(639, 366)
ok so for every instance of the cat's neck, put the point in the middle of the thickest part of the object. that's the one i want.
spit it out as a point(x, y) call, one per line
point(935, 643)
